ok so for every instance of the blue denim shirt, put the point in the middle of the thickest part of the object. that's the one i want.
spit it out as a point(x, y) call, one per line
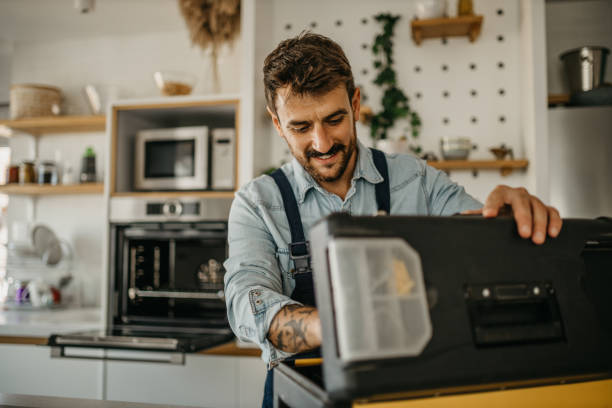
point(258, 281)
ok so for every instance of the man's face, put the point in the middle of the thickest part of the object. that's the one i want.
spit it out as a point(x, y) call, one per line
point(319, 130)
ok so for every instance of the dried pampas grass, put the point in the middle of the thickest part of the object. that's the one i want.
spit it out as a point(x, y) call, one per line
point(211, 22)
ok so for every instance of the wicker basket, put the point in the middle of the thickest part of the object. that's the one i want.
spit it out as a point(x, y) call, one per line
point(30, 100)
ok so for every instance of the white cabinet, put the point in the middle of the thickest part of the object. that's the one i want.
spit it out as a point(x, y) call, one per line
point(29, 369)
point(203, 381)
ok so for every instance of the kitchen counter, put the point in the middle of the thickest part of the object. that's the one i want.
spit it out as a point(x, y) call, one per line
point(42, 323)
point(33, 401)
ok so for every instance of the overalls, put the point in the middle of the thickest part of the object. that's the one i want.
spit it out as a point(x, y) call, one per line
point(299, 251)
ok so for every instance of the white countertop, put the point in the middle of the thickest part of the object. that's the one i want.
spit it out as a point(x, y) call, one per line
point(42, 323)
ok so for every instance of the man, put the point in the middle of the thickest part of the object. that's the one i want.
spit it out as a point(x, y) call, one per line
point(314, 105)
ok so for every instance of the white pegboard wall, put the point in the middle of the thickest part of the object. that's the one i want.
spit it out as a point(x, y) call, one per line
point(457, 87)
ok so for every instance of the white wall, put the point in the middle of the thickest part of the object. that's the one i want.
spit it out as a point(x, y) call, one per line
point(573, 24)
point(127, 61)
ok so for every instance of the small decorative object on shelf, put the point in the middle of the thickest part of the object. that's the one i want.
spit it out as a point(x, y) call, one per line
point(465, 8)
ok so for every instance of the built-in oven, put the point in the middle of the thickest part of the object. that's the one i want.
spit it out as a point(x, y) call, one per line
point(165, 282)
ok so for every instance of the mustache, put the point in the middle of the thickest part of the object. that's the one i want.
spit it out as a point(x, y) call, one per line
point(334, 149)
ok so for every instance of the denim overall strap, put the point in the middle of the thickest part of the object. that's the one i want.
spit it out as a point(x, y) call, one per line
point(383, 191)
point(299, 248)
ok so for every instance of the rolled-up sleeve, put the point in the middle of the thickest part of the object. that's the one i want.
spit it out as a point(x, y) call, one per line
point(253, 281)
point(446, 197)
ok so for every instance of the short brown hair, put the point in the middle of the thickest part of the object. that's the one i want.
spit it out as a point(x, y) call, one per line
point(311, 64)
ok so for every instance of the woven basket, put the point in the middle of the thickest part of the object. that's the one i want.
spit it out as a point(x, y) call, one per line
point(30, 100)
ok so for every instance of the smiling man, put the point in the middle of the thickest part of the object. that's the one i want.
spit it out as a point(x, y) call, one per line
point(314, 105)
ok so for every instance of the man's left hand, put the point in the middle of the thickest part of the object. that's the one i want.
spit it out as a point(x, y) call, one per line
point(533, 218)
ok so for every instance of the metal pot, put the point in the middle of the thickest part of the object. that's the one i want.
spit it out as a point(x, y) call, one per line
point(456, 148)
point(585, 67)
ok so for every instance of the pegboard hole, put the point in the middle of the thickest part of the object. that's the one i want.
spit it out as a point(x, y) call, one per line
point(364, 21)
point(364, 46)
point(446, 94)
point(288, 26)
point(474, 93)
point(474, 120)
point(444, 41)
point(501, 92)
point(417, 68)
point(364, 71)
point(501, 65)
point(473, 66)
point(446, 121)
point(502, 119)
point(500, 38)
point(500, 12)
point(338, 23)
point(444, 67)
point(418, 95)
point(313, 24)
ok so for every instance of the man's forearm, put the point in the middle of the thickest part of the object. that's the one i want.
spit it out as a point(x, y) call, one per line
point(296, 328)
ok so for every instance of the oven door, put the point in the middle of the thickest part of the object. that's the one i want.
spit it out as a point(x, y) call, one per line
point(162, 345)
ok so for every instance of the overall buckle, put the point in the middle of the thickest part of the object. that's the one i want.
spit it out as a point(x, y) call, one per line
point(299, 252)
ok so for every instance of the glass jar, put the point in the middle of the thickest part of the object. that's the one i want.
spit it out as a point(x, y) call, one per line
point(12, 174)
point(26, 172)
point(47, 173)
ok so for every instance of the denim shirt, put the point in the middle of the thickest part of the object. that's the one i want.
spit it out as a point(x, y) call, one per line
point(258, 281)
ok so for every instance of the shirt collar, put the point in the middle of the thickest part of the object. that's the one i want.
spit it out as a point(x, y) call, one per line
point(364, 168)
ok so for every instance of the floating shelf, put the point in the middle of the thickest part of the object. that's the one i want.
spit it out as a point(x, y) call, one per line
point(57, 124)
point(45, 189)
point(505, 166)
point(469, 26)
point(558, 99)
point(177, 194)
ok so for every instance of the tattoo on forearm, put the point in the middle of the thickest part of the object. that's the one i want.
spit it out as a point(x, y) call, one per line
point(290, 328)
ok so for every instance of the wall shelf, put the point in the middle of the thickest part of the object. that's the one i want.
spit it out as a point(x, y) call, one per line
point(38, 189)
point(469, 26)
point(558, 99)
point(57, 124)
point(506, 167)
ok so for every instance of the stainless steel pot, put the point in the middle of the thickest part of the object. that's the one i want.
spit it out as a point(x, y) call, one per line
point(456, 148)
point(585, 67)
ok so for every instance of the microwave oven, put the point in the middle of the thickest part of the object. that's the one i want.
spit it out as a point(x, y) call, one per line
point(171, 159)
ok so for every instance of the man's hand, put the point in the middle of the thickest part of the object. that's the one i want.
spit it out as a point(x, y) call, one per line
point(533, 218)
point(296, 328)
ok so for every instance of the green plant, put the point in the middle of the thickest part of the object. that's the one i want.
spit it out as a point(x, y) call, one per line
point(394, 103)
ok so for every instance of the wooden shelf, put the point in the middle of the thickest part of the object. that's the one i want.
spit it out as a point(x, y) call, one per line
point(558, 99)
point(38, 189)
point(177, 194)
point(505, 166)
point(57, 124)
point(469, 26)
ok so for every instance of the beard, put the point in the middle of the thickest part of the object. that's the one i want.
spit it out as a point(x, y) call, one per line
point(345, 153)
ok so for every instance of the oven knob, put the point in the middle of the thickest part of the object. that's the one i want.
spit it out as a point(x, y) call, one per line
point(172, 208)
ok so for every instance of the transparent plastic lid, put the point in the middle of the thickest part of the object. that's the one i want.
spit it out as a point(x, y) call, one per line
point(379, 298)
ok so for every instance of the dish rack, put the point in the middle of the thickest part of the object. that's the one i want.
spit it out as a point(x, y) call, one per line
point(26, 270)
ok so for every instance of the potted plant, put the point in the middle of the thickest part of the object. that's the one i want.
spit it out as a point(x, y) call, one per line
point(394, 103)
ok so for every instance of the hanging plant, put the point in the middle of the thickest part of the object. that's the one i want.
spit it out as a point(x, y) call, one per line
point(212, 23)
point(394, 103)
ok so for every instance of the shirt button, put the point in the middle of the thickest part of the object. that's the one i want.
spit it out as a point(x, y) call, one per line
point(257, 293)
point(258, 302)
